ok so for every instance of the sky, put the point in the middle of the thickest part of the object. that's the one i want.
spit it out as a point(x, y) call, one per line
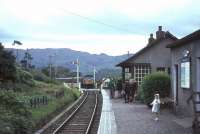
point(113, 27)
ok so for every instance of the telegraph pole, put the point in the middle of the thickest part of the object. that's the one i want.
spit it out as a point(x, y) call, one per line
point(77, 70)
point(50, 66)
point(55, 65)
point(94, 75)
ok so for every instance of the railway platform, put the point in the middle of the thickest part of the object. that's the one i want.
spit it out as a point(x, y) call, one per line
point(107, 123)
point(137, 118)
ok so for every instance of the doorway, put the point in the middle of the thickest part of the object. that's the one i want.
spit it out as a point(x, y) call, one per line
point(198, 84)
point(198, 75)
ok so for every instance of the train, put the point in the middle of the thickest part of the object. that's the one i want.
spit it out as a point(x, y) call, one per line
point(87, 82)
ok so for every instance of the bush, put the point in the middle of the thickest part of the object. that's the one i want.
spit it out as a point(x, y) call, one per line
point(40, 76)
point(24, 77)
point(76, 93)
point(14, 116)
point(7, 65)
point(156, 82)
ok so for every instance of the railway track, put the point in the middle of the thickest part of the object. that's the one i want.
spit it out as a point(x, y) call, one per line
point(80, 119)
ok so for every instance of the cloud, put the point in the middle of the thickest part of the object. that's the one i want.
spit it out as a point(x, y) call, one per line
point(110, 44)
point(120, 25)
point(4, 35)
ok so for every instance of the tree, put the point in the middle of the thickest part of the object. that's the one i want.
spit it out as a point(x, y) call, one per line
point(74, 74)
point(62, 72)
point(58, 72)
point(7, 65)
point(26, 62)
point(105, 73)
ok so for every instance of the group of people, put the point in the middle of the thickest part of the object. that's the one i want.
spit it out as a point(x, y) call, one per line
point(129, 89)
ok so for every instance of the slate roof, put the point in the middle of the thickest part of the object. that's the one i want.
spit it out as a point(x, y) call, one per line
point(191, 37)
point(167, 35)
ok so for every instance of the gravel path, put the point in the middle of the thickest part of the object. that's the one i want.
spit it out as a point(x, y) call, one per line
point(138, 119)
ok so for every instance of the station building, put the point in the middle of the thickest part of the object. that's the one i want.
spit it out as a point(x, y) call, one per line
point(185, 77)
point(154, 57)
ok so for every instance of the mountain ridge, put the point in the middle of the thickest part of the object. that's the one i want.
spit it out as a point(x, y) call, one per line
point(65, 56)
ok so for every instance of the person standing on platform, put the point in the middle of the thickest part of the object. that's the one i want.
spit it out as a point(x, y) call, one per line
point(127, 92)
point(123, 89)
point(133, 88)
point(119, 87)
point(156, 106)
point(111, 86)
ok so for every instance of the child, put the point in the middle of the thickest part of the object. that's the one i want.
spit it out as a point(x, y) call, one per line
point(156, 106)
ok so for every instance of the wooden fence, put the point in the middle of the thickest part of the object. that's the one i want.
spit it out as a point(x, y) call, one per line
point(36, 102)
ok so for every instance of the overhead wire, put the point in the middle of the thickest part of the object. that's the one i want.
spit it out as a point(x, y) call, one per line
point(95, 21)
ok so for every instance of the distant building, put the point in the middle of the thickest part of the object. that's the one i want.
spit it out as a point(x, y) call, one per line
point(154, 57)
point(70, 82)
point(185, 64)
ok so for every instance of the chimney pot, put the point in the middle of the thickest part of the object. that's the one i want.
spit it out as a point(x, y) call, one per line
point(160, 28)
point(160, 34)
point(151, 35)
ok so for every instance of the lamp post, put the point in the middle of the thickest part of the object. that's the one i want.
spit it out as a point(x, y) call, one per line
point(15, 42)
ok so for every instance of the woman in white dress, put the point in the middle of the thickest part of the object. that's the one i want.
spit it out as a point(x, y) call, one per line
point(156, 106)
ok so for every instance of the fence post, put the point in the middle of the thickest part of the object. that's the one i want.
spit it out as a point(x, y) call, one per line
point(35, 102)
point(38, 101)
point(31, 102)
point(42, 100)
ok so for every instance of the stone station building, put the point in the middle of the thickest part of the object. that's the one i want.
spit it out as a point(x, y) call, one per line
point(185, 77)
point(154, 57)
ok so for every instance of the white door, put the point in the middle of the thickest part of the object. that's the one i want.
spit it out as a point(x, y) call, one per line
point(198, 82)
point(198, 75)
point(175, 83)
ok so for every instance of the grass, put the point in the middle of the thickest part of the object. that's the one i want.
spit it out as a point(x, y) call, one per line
point(31, 118)
point(46, 89)
point(42, 112)
point(54, 104)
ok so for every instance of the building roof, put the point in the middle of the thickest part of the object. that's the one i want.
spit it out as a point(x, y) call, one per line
point(167, 35)
point(191, 37)
point(69, 79)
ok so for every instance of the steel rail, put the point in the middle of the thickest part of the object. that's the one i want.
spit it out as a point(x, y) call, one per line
point(93, 114)
point(70, 116)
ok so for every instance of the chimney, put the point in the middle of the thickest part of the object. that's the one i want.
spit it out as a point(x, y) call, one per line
point(160, 28)
point(151, 39)
point(160, 34)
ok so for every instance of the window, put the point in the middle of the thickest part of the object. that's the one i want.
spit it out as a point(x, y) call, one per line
point(185, 74)
point(140, 71)
point(126, 70)
point(127, 74)
point(161, 69)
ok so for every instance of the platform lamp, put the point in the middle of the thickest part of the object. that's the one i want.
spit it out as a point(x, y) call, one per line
point(18, 43)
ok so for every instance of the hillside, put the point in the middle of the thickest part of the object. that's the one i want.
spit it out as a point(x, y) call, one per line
point(64, 57)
